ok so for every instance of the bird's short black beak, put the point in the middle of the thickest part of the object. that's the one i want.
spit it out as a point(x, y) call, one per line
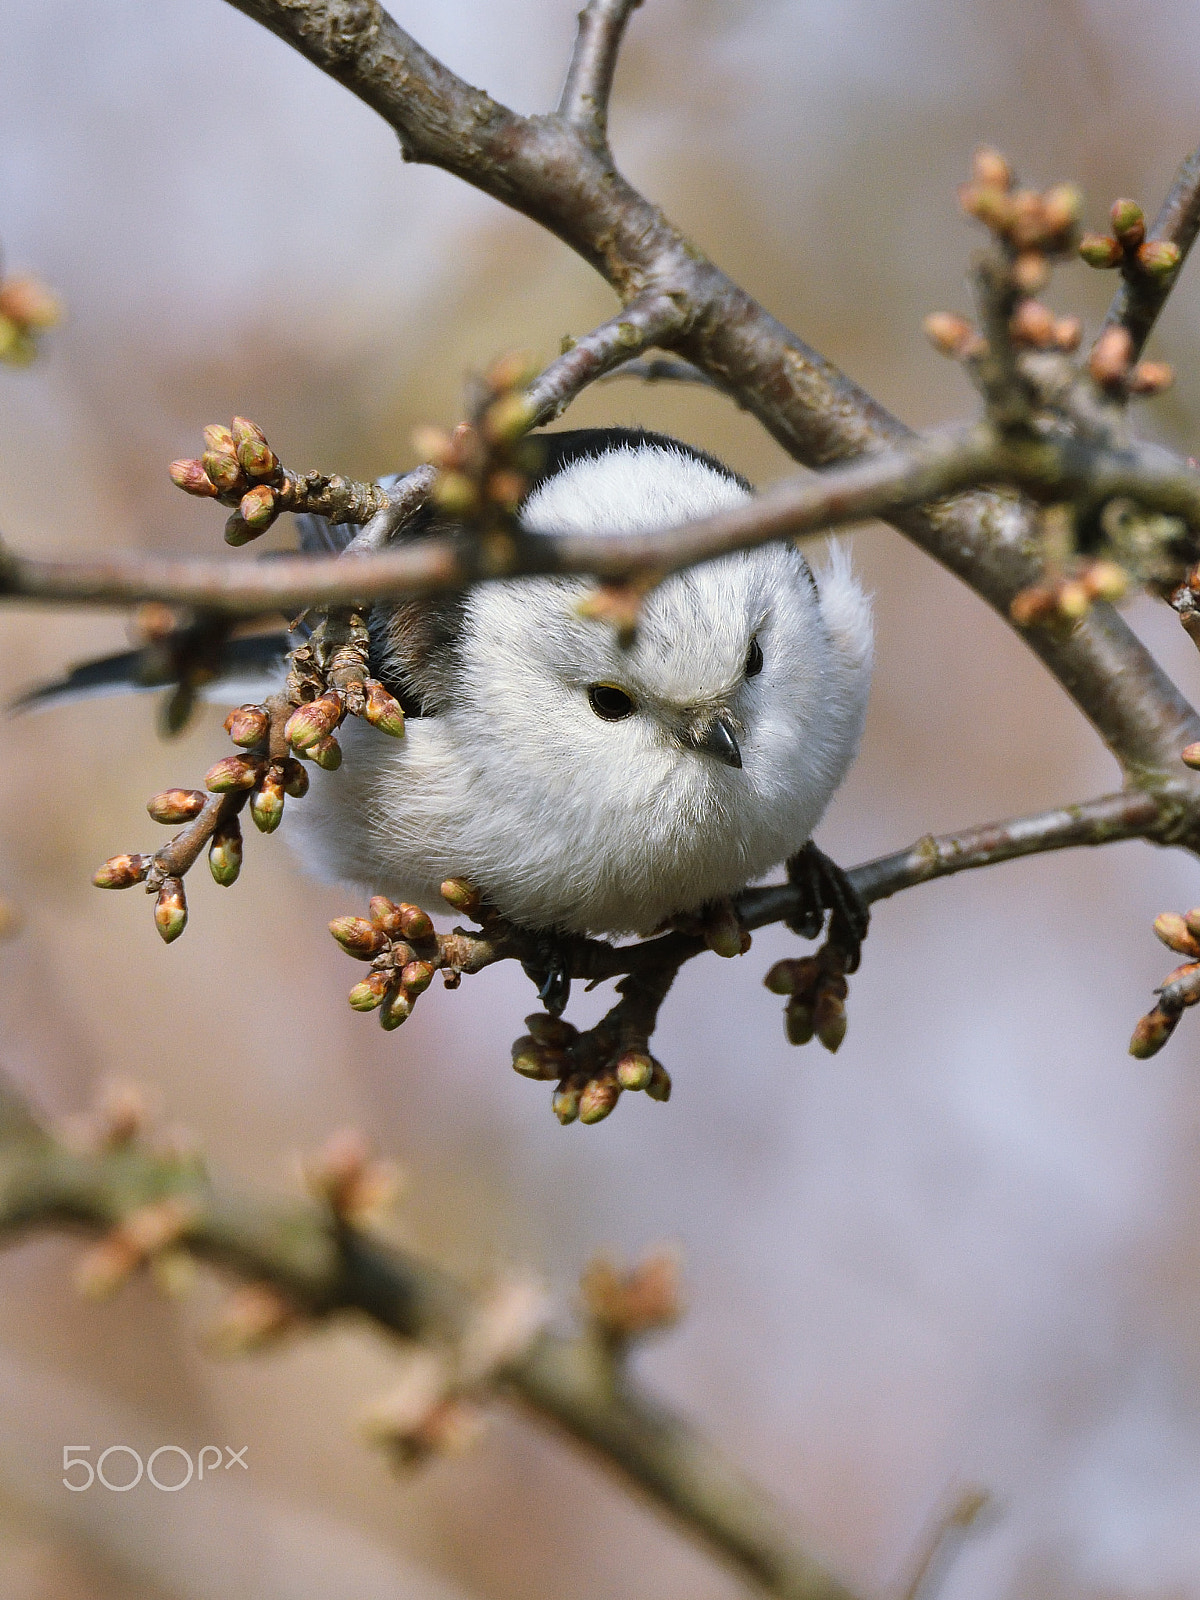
point(717, 738)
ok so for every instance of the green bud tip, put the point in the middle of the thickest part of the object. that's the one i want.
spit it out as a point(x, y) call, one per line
point(383, 711)
point(225, 855)
point(247, 725)
point(598, 1100)
point(1100, 250)
point(327, 753)
point(635, 1069)
point(191, 477)
point(177, 805)
point(122, 872)
point(170, 910)
point(1158, 258)
point(257, 508)
point(234, 772)
point(397, 1008)
point(357, 937)
point(266, 805)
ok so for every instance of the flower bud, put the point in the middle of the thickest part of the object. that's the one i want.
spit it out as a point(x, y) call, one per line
point(122, 872)
point(415, 923)
point(1110, 358)
point(385, 914)
point(723, 932)
point(327, 753)
point(1072, 600)
point(513, 370)
point(457, 892)
point(507, 418)
point(416, 977)
point(106, 1267)
point(371, 992)
point(1192, 919)
point(191, 477)
point(310, 723)
point(219, 439)
point(257, 508)
point(1151, 377)
point(1173, 930)
point(29, 304)
point(357, 937)
point(432, 444)
point(829, 1020)
point(565, 1102)
point(635, 1069)
point(531, 1061)
point(1190, 755)
point(989, 168)
point(1031, 271)
point(598, 1099)
point(170, 910)
point(951, 334)
point(659, 1087)
point(295, 779)
point(798, 1019)
point(222, 469)
point(248, 725)
point(1062, 207)
point(1068, 331)
point(1128, 223)
point(225, 853)
point(455, 495)
point(1158, 258)
point(253, 451)
point(383, 711)
point(237, 533)
point(506, 489)
point(988, 204)
point(1152, 1032)
point(397, 1008)
point(233, 773)
point(1105, 580)
point(266, 804)
point(553, 1032)
point(1033, 323)
point(177, 805)
point(1100, 250)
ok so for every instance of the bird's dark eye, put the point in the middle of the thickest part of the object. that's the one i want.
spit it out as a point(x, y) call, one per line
point(754, 659)
point(609, 702)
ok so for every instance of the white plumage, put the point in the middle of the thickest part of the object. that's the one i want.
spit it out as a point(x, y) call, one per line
point(572, 822)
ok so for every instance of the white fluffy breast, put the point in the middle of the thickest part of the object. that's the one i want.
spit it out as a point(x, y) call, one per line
point(571, 822)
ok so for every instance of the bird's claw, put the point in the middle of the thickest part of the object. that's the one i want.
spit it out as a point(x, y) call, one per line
point(549, 968)
point(822, 886)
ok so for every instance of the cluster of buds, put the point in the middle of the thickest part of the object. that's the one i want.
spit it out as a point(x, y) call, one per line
point(148, 1235)
point(400, 943)
point(435, 1408)
point(356, 1187)
point(257, 779)
point(625, 1304)
point(484, 465)
point(1180, 988)
point(816, 989)
point(240, 469)
point(1031, 225)
point(1128, 248)
point(1066, 599)
point(27, 309)
point(1112, 368)
point(590, 1069)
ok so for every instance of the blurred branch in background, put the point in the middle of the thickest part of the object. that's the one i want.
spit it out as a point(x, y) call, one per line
point(314, 1261)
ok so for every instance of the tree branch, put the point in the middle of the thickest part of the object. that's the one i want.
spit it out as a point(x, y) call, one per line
point(324, 1266)
point(586, 93)
point(1141, 296)
point(546, 169)
point(647, 320)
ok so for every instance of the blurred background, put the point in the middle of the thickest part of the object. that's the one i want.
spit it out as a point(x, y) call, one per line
point(962, 1252)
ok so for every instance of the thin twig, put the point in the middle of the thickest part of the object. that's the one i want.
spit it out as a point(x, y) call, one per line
point(647, 320)
point(324, 1266)
point(586, 93)
point(1141, 296)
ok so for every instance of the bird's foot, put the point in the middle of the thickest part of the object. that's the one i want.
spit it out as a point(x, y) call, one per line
point(822, 886)
point(591, 1070)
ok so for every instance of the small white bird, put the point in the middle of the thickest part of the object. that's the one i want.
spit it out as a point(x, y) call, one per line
point(584, 787)
point(587, 788)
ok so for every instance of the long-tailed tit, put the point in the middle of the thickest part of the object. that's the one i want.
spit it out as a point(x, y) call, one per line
point(583, 786)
